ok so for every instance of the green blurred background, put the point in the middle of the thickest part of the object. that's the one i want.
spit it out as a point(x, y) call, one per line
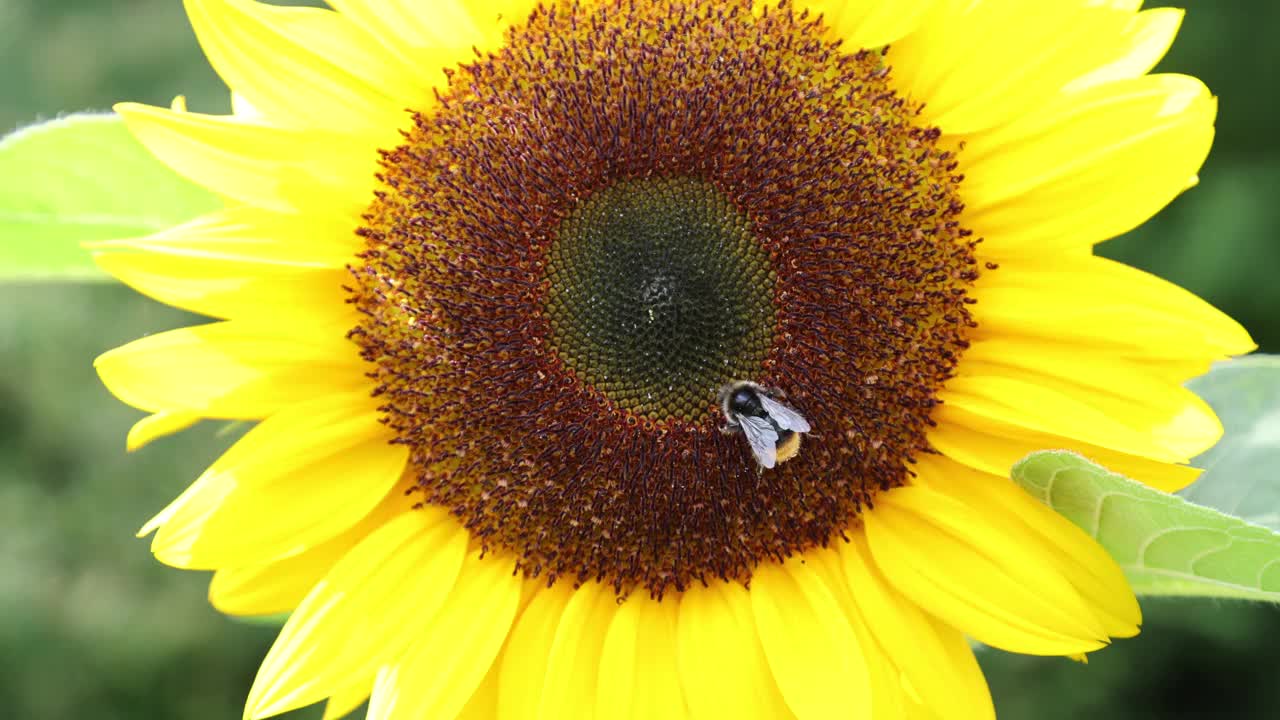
point(92, 627)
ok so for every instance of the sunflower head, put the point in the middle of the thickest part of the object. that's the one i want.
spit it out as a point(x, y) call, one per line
point(486, 340)
point(555, 294)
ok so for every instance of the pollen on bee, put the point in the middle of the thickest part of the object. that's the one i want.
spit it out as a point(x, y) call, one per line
point(789, 447)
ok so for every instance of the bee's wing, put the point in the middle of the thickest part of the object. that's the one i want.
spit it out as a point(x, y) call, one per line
point(762, 438)
point(786, 418)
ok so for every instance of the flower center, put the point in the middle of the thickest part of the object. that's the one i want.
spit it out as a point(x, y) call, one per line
point(657, 294)
point(629, 205)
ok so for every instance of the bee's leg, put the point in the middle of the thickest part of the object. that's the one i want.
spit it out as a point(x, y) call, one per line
point(729, 429)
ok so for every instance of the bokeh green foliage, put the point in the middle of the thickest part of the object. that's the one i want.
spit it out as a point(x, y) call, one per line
point(79, 179)
point(92, 627)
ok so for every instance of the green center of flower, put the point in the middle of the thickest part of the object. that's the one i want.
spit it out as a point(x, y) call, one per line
point(629, 205)
point(658, 294)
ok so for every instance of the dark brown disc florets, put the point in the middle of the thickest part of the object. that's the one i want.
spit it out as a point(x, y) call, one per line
point(629, 205)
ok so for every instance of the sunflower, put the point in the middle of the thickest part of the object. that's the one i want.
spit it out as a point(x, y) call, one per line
point(485, 265)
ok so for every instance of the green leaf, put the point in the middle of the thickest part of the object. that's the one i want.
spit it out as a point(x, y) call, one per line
point(77, 179)
point(1166, 545)
point(1242, 472)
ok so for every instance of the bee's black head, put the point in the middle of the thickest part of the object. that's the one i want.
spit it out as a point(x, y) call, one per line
point(743, 399)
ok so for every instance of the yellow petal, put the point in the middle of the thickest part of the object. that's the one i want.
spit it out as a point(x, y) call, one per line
point(277, 586)
point(229, 289)
point(1081, 560)
point(232, 370)
point(890, 696)
point(483, 704)
point(1088, 167)
point(638, 678)
point(157, 425)
point(205, 493)
point(345, 701)
point(574, 655)
point(284, 170)
point(973, 575)
point(436, 35)
point(493, 17)
point(307, 67)
point(298, 479)
point(935, 660)
point(720, 657)
point(976, 65)
point(314, 241)
point(1172, 416)
point(1104, 304)
point(241, 107)
point(414, 24)
point(961, 658)
point(452, 655)
point(870, 23)
point(366, 613)
point(385, 695)
point(994, 447)
point(1176, 424)
point(1014, 401)
point(524, 661)
point(1147, 38)
point(811, 648)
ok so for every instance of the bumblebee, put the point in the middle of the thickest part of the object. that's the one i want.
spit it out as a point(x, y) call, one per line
point(772, 428)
